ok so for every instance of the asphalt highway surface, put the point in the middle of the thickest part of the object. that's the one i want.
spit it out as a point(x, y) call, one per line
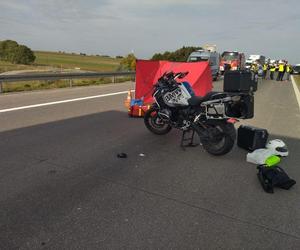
point(62, 185)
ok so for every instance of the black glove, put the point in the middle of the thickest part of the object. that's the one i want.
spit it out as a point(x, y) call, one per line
point(274, 177)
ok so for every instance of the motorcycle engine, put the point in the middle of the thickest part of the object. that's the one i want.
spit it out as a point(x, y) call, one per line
point(178, 118)
point(165, 115)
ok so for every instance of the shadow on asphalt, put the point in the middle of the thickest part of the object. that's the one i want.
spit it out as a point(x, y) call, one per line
point(50, 171)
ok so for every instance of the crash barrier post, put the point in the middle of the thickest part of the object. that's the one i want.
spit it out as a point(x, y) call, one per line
point(1, 87)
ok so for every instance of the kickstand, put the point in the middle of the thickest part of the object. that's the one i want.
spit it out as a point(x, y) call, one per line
point(190, 139)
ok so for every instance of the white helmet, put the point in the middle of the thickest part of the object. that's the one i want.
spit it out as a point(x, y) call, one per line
point(278, 147)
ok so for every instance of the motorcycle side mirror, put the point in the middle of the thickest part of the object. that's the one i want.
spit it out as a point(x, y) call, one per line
point(183, 74)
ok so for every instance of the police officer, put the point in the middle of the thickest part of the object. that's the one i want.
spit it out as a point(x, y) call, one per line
point(272, 70)
point(288, 71)
point(265, 69)
point(280, 71)
point(254, 67)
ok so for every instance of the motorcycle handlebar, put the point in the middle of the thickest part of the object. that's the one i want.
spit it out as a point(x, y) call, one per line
point(170, 77)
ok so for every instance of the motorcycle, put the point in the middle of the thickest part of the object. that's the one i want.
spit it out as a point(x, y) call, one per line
point(212, 116)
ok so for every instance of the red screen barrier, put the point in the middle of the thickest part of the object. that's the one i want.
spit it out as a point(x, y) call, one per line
point(148, 72)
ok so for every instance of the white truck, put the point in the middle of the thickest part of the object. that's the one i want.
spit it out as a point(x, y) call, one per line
point(255, 58)
point(208, 53)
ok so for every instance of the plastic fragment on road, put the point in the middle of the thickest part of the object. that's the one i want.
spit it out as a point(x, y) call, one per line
point(259, 156)
point(122, 155)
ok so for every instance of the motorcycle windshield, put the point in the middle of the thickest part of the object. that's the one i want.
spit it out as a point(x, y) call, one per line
point(188, 88)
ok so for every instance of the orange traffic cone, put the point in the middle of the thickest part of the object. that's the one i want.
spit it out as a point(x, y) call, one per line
point(128, 99)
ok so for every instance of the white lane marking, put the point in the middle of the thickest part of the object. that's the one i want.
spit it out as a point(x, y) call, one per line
point(63, 101)
point(296, 89)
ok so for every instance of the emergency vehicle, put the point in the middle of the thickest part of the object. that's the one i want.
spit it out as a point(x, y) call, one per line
point(232, 60)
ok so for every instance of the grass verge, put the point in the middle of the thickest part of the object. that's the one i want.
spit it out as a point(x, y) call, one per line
point(55, 60)
point(297, 80)
point(40, 85)
point(49, 61)
point(71, 61)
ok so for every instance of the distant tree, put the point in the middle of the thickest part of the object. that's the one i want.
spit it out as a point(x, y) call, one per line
point(8, 49)
point(128, 62)
point(180, 55)
point(119, 57)
point(12, 52)
point(23, 55)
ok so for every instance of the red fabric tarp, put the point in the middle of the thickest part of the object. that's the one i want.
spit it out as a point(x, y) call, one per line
point(148, 72)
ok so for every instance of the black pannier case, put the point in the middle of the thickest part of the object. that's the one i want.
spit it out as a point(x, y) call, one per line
point(239, 81)
point(252, 138)
point(243, 109)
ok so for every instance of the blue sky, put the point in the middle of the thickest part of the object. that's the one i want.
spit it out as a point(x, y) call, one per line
point(117, 27)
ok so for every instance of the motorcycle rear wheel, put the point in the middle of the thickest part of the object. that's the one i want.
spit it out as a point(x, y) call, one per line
point(155, 124)
point(220, 139)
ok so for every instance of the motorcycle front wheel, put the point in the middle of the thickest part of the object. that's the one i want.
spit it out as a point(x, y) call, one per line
point(219, 138)
point(155, 124)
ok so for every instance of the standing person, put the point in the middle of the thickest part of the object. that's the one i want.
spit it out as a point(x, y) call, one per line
point(277, 70)
point(284, 70)
point(272, 70)
point(288, 71)
point(265, 69)
point(280, 71)
point(254, 70)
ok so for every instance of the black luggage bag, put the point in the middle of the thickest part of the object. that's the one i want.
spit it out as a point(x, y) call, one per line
point(239, 81)
point(251, 138)
point(243, 109)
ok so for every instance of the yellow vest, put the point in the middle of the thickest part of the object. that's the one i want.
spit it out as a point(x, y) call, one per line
point(265, 67)
point(281, 68)
point(288, 68)
point(272, 69)
point(254, 67)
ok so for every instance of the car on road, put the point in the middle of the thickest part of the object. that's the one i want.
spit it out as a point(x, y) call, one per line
point(296, 69)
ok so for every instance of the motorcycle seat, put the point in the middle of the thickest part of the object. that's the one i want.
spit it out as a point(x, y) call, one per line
point(197, 100)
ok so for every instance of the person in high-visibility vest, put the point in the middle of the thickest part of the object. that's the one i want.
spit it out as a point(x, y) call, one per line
point(288, 71)
point(272, 70)
point(280, 72)
point(254, 67)
point(265, 69)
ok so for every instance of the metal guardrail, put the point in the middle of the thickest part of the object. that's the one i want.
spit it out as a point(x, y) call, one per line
point(60, 76)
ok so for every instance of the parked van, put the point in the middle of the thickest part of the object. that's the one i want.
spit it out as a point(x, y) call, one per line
point(204, 55)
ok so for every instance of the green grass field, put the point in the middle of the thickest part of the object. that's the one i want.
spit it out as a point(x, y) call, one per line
point(71, 61)
point(55, 60)
point(6, 66)
point(297, 80)
point(47, 60)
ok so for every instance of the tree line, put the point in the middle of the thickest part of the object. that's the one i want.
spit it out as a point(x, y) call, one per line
point(179, 55)
point(11, 51)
